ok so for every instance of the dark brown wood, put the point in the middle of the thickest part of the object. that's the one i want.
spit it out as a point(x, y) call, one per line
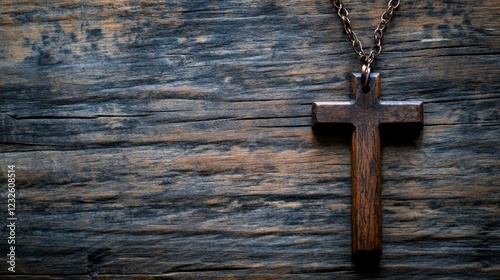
point(366, 113)
point(172, 139)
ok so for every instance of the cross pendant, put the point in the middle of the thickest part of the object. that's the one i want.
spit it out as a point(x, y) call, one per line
point(366, 113)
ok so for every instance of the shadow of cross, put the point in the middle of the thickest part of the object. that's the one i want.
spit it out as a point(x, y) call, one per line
point(366, 113)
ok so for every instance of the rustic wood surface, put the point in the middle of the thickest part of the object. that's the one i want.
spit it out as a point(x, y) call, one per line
point(158, 139)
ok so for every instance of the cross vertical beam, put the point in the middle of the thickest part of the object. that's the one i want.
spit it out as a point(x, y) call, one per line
point(366, 113)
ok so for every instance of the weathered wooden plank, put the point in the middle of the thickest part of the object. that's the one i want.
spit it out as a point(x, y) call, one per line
point(172, 139)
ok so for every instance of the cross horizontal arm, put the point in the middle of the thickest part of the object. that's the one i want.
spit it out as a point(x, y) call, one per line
point(332, 112)
point(401, 112)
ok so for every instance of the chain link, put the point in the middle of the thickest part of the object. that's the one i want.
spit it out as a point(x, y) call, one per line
point(378, 34)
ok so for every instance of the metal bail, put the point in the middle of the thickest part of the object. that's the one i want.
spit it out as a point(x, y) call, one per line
point(365, 75)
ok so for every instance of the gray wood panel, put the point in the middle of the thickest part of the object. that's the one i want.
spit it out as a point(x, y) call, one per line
point(158, 139)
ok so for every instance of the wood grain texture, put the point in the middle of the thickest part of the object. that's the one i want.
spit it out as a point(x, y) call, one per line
point(172, 139)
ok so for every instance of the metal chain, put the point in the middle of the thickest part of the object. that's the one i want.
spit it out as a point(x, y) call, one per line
point(378, 34)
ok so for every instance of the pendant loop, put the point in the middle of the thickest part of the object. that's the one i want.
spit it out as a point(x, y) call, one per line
point(365, 75)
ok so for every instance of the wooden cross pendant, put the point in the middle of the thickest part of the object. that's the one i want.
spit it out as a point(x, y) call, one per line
point(366, 113)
